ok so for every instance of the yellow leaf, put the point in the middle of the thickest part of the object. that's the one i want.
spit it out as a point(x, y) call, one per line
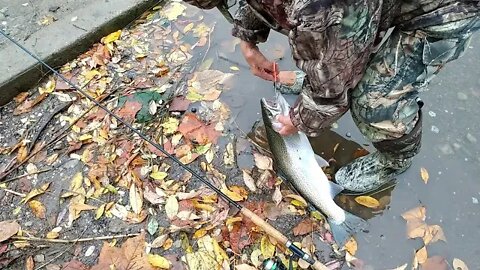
point(367, 201)
point(199, 233)
point(82, 207)
point(100, 210)
point(158, 261)
point(267, 248)
point(91, 74)
point(297, 200)
point(112, 37)
point(85, 137)
point(170, 126)
point(171, 207)
point(203, 206)
point(168, 244)
point(38, 208)
point(77, 181)
point(22, 153)
point(424, 174)
point(234, 68)
point(35, 192)
point(459, 264)
point(188, 28)
point(233, 195)
point(421, 255)
point(158, 175)
point(136, 199)
point(232, 220)
point(351, 246)
point(174, 10)
point(49, 87)
point(52, 235)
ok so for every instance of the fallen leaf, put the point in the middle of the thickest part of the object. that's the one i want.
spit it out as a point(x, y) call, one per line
point(267, 248)
point(244, 266)
point(435, 263)
point(179, 104)
point(433, 233)
point(29, 264)
point(277, 195)
point(129, 110)
point(297, 200)
point(136, 199)
point(424, 174)
point(195, 130)
point(28, 105)
point(367, 201)
point(22, 153)
point(248, 180)
point(171, 207)
point(170, 126)
point(421, 255)
point(35, 192)
point(401, 267)
point(229, 156)
point(306, 226)
point(351, 246)
point(112, 37)
point(158, 261)
point(263, 162)
point(74, 265)
point(152, 226)
point(21, 97)
point(159, 241)
point(234, 68)
point(415, 214)
point(38, 208)
point(131, 253)
point(174, 10)
point(459, 264)
point(8, 228)
point(236, 196)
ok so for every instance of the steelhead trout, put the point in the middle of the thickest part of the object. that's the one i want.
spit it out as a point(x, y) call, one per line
point(296, 160)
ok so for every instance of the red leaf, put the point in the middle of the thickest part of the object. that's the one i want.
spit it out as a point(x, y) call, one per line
point(179, 104)
point(129, 110)
point(195, 130)
point(74, 265)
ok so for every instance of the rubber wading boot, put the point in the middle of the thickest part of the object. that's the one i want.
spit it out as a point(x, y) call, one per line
point(376, 169)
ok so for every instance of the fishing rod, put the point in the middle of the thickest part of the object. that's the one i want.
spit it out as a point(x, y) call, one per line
point(265, 226)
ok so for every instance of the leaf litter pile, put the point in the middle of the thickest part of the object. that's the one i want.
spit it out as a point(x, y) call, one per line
point(81, 191)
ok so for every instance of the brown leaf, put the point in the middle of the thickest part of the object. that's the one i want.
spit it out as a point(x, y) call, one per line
point(8, 228)
point(21, 97)
point(35, 192)
point(249, 181)
point(129, 110)
point(195, 130)
point(132, 253)
point(38, 208)
point(22, 153)
point(29, 264)
point(435, 263)
point(263, 162)
point(416, 229)
point(433, 233)
point(28, 105)
point(424, 174)
point(179, 104)
point(416, 214)
point(304, 227)
point(360, 152)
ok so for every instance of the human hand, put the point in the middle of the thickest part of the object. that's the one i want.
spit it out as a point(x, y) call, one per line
point(259, 65)
point(288, 128)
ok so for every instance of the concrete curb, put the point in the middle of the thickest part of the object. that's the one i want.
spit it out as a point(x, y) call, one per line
point(62, 41)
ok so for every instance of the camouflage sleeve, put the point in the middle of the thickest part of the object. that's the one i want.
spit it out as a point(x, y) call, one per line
point(331, 44)
point(247, 26)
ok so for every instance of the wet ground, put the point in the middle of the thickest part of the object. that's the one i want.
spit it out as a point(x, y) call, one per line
point(450, 153)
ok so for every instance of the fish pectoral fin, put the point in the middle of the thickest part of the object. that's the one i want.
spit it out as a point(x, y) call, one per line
point(335, 189)
point(321, 161)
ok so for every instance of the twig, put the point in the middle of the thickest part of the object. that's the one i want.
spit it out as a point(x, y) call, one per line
point(14, 192)
point(25, 175)
point(209, 41)
point(38, 239)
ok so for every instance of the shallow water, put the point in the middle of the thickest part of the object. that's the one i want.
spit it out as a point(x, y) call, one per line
point(450, 153)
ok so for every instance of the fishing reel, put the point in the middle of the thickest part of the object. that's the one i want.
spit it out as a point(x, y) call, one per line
point(276, 264)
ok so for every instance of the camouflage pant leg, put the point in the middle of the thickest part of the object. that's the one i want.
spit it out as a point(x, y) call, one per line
point(384, 104)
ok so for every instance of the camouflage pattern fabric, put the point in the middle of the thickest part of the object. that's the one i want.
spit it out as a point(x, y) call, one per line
point(350, 63)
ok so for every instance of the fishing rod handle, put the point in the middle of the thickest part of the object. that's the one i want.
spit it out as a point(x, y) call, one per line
point(271, 231)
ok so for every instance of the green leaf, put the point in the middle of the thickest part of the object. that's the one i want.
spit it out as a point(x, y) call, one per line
point(152, 226)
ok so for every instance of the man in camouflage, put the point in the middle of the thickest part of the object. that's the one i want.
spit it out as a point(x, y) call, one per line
point(370, 56)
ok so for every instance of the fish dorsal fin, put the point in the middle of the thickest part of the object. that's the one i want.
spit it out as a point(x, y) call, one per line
point(335, 189)
point(321, 162)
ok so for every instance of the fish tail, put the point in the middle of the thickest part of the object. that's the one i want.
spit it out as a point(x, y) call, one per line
point(343, 231)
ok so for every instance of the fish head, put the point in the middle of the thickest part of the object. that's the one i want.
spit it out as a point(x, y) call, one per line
point(272, 108)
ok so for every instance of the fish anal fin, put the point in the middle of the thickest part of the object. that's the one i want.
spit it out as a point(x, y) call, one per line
point(335, 189)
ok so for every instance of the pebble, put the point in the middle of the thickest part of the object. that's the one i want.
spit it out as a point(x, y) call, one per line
point(457, 146)
point(471, 138)
point(349, 135)
point(54, 8)
point(39, 258)
point(474, 200)
point(462, 96)
point(432, 113)
point(89, 251)
point(28, 224)
point(435, 129)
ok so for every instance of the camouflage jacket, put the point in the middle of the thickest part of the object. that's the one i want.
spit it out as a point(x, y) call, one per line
point(333, 40)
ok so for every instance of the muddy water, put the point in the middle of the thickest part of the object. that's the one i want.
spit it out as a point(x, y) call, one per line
point(450, 153)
